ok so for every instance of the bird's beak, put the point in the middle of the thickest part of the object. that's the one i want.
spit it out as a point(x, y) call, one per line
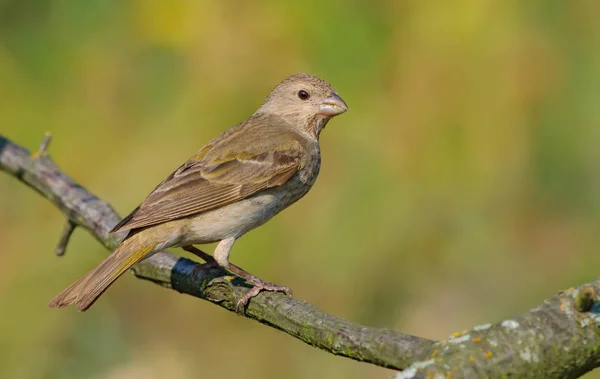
point(332, 106)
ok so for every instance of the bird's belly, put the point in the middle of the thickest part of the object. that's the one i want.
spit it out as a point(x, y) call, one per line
point(235, 219)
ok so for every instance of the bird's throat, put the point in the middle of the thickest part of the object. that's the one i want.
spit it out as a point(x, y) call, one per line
point(317, 124)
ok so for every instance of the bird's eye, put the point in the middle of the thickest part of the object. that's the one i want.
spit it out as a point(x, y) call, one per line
point(303, 95)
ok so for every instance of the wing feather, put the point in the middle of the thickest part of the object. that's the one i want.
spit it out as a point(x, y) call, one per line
point(227, 170)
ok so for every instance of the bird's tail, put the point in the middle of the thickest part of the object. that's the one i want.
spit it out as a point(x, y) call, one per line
point(84, 292)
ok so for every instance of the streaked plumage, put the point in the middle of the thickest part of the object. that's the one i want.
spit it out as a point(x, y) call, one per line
point(237, 182)
point(225, 171)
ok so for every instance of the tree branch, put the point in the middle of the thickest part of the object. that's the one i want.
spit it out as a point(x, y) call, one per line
point(381, 347)
point(558, 339)
point(553, 340)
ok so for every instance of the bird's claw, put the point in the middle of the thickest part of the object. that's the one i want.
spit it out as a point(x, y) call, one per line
point(258, 288)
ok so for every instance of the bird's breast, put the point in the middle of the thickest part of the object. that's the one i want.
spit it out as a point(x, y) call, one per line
point(310, 169)
point(235, 219)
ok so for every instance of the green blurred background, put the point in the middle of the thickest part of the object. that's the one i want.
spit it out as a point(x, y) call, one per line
point(463, 187)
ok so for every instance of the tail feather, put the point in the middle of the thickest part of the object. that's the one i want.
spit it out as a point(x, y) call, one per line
point(68, 295)
point(84, 292)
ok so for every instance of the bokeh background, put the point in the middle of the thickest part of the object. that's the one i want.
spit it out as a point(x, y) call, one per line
point(463, 187)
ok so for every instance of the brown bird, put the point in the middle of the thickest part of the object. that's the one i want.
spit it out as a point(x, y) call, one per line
point(237, 182)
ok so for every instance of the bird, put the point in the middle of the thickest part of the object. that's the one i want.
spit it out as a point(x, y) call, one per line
point(237, 182)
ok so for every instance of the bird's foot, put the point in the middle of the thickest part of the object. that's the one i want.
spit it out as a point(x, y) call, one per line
point(259, 286)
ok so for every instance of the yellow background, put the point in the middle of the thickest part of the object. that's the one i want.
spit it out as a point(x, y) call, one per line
point(463, 186)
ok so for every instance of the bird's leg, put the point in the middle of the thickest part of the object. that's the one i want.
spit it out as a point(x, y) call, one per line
point(210, 261)
point(221, 255)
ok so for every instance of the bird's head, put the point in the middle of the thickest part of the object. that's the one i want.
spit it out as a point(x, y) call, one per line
point(304, 101)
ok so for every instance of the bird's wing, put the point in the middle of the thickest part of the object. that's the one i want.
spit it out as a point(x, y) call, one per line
point(258, 154)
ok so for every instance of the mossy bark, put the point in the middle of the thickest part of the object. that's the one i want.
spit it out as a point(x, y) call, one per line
point(553, 340)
